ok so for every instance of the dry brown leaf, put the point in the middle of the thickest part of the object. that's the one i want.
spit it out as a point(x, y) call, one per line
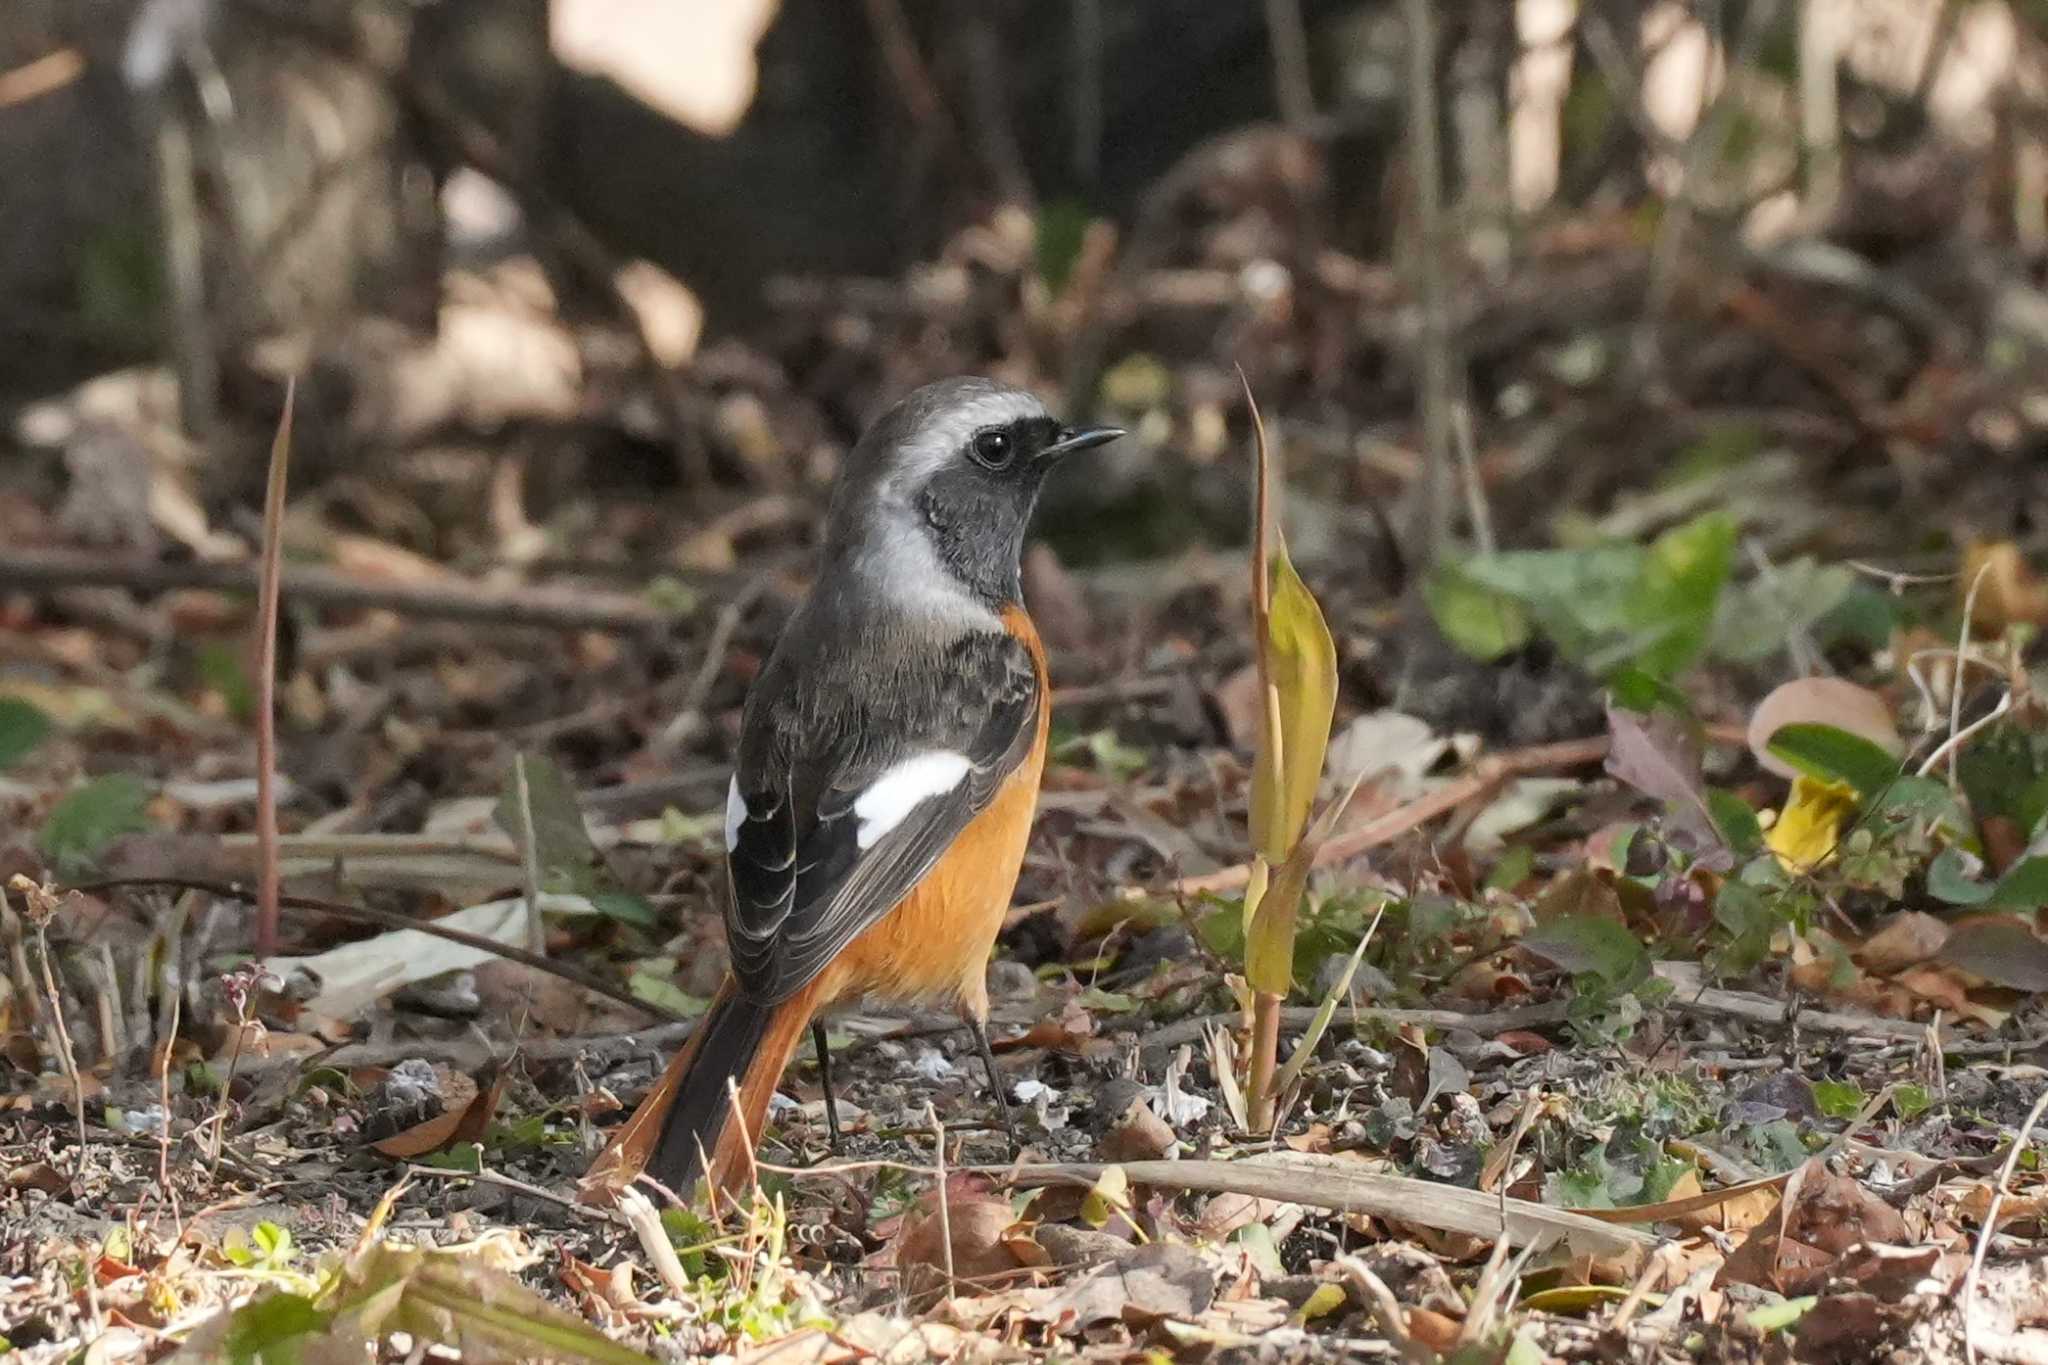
point(1976, 1203)
point(1835, 1213)
point(2000, 950)
point(1904, 940)
point(1433, 1329)
point(1942, 987)
point(2007, 593)
point(979, 1227)
point(469, 1123)
point(1068, 1031)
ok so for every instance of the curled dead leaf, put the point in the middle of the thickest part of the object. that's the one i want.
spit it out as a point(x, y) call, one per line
point(2001, 588)
point(974, 1237)
point(1904, 940)
point(1820, 701)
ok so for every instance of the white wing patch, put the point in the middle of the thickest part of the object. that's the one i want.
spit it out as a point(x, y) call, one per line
point(735, 813)
point(897, 792)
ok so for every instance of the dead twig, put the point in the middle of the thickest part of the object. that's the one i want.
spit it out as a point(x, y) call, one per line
point(453, 599)
point(488, 1177)
point(1287, 37)
point(639, 1213)
point(45, 75)
point(1487, 776)
point(1695, 998)
point(1295, 1017)
point(384, 919)
point(1323, 1184)
point(1432, 526)
point(474, 1051)
point(1968, 1300)
point(41, 906)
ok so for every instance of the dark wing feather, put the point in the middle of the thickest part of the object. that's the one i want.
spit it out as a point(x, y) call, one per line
point(802, 887)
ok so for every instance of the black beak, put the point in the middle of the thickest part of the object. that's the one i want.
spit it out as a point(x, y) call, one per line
point(1071, 439)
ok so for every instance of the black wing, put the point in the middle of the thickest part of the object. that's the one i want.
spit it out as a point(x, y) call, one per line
point(802, 885)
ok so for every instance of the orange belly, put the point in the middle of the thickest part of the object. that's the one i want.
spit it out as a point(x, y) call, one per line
point(933, 948)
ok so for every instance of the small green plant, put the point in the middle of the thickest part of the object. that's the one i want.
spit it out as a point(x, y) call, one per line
point(89, 818)
point(22, 728)
point(265, 1247)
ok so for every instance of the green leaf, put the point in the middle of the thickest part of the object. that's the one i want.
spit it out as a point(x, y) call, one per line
point(660, 990)
point(1681, 591)
point(272, 1244)
point(1774, 1317)
point(1757, 618)
point(1867, 615)
point(1480, 621)
point(1834, 755)
point(2023, 887)
point(1513, 868)
point(625, 907)
point(88, 819)
point(1058, 234)
point(272, 1329)
point(1948, 880)
point(1579, 598)
point(2004, 772)
point(1615, 606)
point(567, 858)
point(1639, 691)
point(1838, 1099)
point(1589, 944)
point(1735, 821)
point(1914, 798)
point(1911, 1100)
point(22, 728)
point(691, 1236)
point(223, 669)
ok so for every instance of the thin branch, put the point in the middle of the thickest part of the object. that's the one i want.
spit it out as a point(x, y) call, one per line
point(1487, 776)
point(1293, 89)
point(45, 75)
point(1425, 164)
point(65, 1052)
point(2012, 1160)
point(1328, 1184)
point(1294, 1017)
point(451, 599)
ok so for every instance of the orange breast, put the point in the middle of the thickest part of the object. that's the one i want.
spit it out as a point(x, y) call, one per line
point(934, 946)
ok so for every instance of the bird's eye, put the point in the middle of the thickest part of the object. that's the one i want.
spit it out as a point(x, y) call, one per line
point(992, 447)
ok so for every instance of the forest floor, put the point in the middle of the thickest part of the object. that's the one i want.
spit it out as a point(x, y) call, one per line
point(1673, 1034)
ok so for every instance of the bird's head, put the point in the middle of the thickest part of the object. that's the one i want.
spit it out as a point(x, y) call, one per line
point(945, 481)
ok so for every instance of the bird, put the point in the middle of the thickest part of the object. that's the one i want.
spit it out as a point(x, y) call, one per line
point(886, 776)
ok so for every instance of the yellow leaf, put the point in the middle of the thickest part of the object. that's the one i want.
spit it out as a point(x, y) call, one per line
point(1300, 676)
point(1255, 891)
point(1269, 943)
point(1806, 831)
point(1110, 1196)
point(1325, 1299)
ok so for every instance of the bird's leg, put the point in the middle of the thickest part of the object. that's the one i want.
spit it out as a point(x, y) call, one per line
point(995, 1080)
point(825, 1081)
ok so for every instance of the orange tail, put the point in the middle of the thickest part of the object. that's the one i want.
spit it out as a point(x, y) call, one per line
point(688, 1115)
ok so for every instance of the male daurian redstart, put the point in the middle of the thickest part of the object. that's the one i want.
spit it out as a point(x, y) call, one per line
point(888, 768)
